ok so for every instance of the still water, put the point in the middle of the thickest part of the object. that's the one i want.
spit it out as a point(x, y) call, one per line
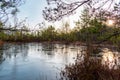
point(35, 61)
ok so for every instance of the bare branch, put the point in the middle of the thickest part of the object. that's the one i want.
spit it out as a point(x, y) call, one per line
point(7, 7)
point(61, 8)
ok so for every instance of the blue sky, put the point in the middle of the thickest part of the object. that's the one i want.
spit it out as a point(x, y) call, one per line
point(32, 9)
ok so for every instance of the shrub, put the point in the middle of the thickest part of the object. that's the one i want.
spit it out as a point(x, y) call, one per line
point(91, 69)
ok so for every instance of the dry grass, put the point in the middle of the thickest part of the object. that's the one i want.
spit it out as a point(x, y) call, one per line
point(89, 70)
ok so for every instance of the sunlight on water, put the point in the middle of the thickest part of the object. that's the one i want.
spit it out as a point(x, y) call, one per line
point(110, 58)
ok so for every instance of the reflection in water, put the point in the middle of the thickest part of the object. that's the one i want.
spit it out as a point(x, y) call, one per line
point(15, 50)
point(48, 49)
point(35, 61)
point(38, 61)
point(1, 56)
point(110, 58)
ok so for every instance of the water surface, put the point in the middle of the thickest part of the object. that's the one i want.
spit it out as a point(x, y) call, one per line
point(35, 61)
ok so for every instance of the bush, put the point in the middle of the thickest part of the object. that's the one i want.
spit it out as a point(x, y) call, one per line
point(91, 69)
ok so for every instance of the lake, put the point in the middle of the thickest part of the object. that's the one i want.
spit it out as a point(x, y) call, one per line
point(44, 61)
point(35, 61)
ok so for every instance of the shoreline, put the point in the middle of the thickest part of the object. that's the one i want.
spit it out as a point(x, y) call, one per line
point(61, 42)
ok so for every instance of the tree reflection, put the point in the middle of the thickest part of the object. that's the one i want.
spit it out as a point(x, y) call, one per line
point(10, 50)
point(48, 49)
point(1, 55)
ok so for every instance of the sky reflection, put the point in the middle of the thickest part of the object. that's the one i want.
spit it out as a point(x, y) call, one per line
point(35, 60)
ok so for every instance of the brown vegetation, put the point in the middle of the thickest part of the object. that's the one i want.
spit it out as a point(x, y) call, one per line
point(1, 42)
point(89, 70)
